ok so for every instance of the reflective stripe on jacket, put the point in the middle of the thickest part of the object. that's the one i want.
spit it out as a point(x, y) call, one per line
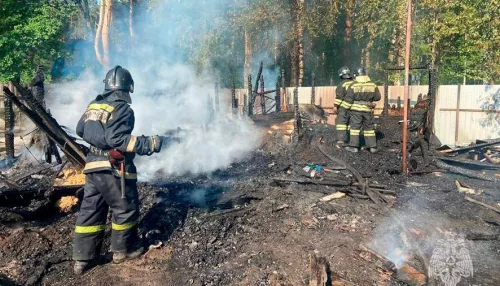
point(340, 93)
point(107, 124)
point(361, 92)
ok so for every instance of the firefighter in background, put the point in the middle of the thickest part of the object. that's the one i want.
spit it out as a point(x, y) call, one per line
point(342, 106)
point(111, 178)
point(362, 96)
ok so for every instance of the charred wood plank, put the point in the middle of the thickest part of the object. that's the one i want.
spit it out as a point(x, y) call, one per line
point(470, 163)
point(319, 271)
point(464, 172)
point(477, 146)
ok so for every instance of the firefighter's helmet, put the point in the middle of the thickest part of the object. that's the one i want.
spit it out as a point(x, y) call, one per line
point(119, 78)
point(345, 72)
point(360, 71)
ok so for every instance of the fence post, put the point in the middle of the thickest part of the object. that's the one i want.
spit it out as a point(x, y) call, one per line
point(234, 100)
point(296, 127)
point(9, 130)
point(277, 97)
point(249, 97)
point(431, 98)
point(457, 115)
point(283, 92)
point(385, 112)
point(313, 89)
point(262, 95)
point(216, 97)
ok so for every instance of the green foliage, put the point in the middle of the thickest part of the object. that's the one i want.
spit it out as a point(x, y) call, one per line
point(32, 32)
point(459, 38)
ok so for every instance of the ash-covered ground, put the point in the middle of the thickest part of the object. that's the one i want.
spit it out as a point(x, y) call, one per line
point(239, 227)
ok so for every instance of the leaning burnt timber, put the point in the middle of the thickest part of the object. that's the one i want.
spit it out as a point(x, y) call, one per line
point(47, 124)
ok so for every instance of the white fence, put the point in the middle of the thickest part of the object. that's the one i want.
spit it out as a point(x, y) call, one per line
point(462, 115)
point(465, 113)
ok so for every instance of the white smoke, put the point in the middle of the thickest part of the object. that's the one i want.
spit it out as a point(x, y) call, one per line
point(169, 93)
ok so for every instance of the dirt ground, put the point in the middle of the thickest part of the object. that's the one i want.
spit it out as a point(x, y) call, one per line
point(240, 227)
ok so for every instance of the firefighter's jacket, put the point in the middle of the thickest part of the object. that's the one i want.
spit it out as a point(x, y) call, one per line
point(107, 124)
point(340, 93)
point(362, 94)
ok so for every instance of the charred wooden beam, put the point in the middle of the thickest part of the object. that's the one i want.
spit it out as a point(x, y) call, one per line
point(466, 163)
point(248, 100)
point(216, 98)
point(257, 79)
point(234, 100)
point(262, 97)
point(277, 96)
point(468, 148)
point(73, 151)
point(50, 122)
point(9, 130)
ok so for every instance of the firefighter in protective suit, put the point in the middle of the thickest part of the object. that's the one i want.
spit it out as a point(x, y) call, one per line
point(111, 177)
point(362, 96)
point(342, 106)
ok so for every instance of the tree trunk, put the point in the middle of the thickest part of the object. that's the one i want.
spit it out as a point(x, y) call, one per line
point(348, 31)
point(86, 16)
point(131, 19)
point(247, 69)
point(293, 67)
point(108, 16)
point(276, 46)
point(369, 46)
point(98, 34)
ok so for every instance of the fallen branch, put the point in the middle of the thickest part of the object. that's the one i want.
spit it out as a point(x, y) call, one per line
point(493, 208)
point(375, 196)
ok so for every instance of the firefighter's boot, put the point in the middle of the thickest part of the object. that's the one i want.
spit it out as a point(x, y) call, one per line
point(80, 267)
point(352, 149)
point(119, 257)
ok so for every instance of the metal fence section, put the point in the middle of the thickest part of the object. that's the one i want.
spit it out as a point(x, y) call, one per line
point(465, 113)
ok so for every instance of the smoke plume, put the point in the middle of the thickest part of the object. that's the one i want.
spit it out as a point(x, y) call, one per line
point(169, 93)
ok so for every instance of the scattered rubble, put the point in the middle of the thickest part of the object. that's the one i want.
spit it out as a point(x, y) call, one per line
point(263, 221)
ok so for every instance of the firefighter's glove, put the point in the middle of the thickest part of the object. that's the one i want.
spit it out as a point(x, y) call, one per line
point(148, 145)
point(155, 143)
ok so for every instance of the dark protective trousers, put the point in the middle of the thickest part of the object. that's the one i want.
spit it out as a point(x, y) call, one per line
point(362, 121)
point(102, 191)
point(342, 124)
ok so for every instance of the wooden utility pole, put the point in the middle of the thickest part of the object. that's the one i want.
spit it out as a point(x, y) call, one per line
point(407, 88)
